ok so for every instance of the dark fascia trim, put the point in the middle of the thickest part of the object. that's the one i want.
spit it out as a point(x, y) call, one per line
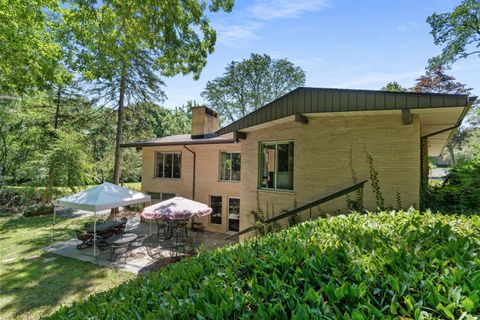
point(471, 100)
point(179, 143)
point(232, 126)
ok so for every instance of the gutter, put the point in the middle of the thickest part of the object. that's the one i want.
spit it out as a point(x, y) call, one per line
point(179, 143)
point(471, 100)
point(194, 170)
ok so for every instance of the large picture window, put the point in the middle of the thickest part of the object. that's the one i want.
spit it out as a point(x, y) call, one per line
point(168, 165)
point(276, 165)
point(216, 205)
point(230, 166)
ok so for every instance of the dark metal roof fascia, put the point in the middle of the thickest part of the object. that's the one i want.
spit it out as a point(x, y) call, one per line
point(176, 143)
point(255, 115)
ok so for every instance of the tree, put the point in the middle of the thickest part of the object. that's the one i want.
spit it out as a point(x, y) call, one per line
point(393, 87)
point(30, 56)
point(457, 31)
point(436, 81)
point(251, 83)
point(124, 46)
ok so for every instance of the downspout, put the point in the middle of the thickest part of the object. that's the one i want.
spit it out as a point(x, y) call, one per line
point(194, 170)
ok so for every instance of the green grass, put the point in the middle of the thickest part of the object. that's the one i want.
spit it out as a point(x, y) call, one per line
point(403, 265)
point(34, 283)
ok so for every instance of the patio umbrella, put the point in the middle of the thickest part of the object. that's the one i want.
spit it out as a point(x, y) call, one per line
point(175, 209)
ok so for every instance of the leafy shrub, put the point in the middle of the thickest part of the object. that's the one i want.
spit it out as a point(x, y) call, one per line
point(10, 198)
point(373, 266)
point(38, 210)
point(460, 191)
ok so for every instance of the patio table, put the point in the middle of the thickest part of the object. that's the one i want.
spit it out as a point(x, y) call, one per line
point(102, 227)
point(122, 239)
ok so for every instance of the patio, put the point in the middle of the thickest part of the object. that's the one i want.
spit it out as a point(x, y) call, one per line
point(154, 254)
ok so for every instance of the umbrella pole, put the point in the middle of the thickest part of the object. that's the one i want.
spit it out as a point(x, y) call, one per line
point(95, 235)
point(53, 224)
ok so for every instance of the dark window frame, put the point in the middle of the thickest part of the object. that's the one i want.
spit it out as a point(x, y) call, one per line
point(230, 175)
point(176, 156)
point(216, 217)
point(261, 176)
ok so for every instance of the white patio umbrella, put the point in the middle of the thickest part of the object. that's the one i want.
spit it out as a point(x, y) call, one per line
point(102, 197)
point(174, 209)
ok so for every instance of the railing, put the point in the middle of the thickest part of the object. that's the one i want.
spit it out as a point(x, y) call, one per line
point(307, 206)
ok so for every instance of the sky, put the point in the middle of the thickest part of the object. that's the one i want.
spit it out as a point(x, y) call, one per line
point(338, 43)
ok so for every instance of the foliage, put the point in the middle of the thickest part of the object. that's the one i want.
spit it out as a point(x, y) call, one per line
point(30, 57)
point(38, 210)
point(124, 47)
point(374, 266)
point(393, 87)
point(251, 83)
point(436, 81)
point(357, 203)
point(294, 219)
point(460, 192)
point(457, 31)
point(374, 181)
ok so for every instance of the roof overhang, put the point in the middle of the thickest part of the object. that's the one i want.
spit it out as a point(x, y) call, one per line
point(439, 114)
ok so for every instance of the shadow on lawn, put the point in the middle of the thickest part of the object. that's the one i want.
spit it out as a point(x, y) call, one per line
point(42, 282)
point(36, 283)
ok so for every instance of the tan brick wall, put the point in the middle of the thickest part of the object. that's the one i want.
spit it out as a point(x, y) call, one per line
point(207, 177)
point(322, 157)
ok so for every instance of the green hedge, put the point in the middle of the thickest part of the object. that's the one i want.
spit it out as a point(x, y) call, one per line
point(385, 265)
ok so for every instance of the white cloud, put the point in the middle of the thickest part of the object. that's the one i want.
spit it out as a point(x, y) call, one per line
point(240, 34)
point(279, 9)
point(237, 35)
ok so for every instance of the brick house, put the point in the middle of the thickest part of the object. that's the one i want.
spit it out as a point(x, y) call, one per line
point(299, 147)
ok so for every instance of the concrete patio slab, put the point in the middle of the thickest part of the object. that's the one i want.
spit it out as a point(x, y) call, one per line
point(143, 259)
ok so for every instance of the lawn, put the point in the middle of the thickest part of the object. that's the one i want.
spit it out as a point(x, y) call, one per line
point(34, 283)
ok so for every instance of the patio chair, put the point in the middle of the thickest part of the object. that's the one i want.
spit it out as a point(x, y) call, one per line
point(119, 250)
point(181, 227)
point(138, 243)
point(86, 239)
point(161, 225)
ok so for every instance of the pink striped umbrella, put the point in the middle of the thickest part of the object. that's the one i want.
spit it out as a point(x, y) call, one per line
point(177, 208)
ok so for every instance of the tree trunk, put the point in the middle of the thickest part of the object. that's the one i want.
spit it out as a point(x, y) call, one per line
point(48, 190)
point(452, 156)
point(118, 150)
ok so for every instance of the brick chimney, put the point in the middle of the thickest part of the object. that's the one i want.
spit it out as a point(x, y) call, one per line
point(204, 122)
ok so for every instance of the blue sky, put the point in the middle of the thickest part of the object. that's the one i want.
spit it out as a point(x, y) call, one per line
point(339, 43)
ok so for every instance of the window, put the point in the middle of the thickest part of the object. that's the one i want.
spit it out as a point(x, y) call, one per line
point(160, 196)
point(233, 214)
point(276, 165)
point(168, 165)
point(230, 166)
point(216, 205)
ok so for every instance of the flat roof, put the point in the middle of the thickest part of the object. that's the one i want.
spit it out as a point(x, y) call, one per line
point(327, 100)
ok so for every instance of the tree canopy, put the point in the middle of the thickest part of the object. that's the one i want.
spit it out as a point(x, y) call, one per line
point(124, 47)
point(251, 83)
point(436, 81)
point(393, 87)
point(458, 32)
